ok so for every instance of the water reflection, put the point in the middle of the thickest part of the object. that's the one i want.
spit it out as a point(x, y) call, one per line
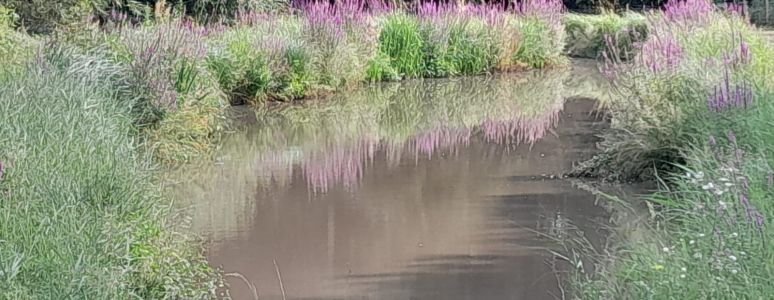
point(425, 189)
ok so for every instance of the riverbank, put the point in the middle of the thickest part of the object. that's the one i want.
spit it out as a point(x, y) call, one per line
point(693, 113)
point(98, 107)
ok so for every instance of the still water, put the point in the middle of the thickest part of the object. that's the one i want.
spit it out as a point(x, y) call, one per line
point(426, 189)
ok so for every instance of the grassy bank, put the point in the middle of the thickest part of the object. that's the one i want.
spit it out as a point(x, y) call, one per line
point(80, 215)
point(693, 111)
point(90, 109)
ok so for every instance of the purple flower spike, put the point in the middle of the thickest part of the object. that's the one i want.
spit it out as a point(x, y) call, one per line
point(744, 53)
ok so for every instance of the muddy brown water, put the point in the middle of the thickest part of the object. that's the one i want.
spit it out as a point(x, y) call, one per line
point(427, 189)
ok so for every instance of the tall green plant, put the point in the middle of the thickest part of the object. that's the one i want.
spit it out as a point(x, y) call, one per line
point(402, 41)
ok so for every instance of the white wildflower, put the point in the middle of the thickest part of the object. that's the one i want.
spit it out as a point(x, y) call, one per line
point(718, 192)
point(734, 271)
point(666, 249)
point(700, 175)
point(732, 258)
point(733, 235)
point(728, 184)
point(701, 235)
point(683, 269)
point(682, 275)
point(691, 242)
point(697, 255)
point(708, 186)
point(723, 179)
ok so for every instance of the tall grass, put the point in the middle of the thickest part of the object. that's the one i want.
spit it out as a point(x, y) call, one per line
point(402, 41)
point(80, 216)
point(179, 100)
point(694, 105)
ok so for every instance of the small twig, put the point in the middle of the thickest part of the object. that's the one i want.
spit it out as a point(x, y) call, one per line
point(249, 285)
point(279, 276)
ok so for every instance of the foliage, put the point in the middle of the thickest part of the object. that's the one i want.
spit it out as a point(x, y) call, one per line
point(588, 35)
point(76, 198)
point(694, 105)
point(402, 41)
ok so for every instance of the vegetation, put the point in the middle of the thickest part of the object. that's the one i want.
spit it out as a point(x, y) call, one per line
point(589, 36)
point(81, 217)
point(117, 86)
point(693, 111)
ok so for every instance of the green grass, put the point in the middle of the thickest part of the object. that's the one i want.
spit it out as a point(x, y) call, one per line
point(401, 40)
point(80, 215)
point(702, 239)
point(535, 47)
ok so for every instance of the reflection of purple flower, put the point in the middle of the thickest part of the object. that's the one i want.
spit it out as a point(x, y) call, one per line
point(433, 140)
point(519, 130)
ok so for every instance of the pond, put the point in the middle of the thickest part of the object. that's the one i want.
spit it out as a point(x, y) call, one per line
point(422, 189)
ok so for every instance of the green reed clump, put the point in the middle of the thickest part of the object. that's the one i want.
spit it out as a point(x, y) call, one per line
point(81, 218)
point(401, 40)
point(535, 49)
point(459, 46)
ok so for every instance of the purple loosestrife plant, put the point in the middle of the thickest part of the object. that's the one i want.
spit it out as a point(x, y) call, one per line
point(342, 36)
point(157, 52)
point(738, 10)
point(728, 95)
point(688, 11)
point(661, 53)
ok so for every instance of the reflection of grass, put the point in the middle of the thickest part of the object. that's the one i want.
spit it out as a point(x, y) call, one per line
point(422, 115)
